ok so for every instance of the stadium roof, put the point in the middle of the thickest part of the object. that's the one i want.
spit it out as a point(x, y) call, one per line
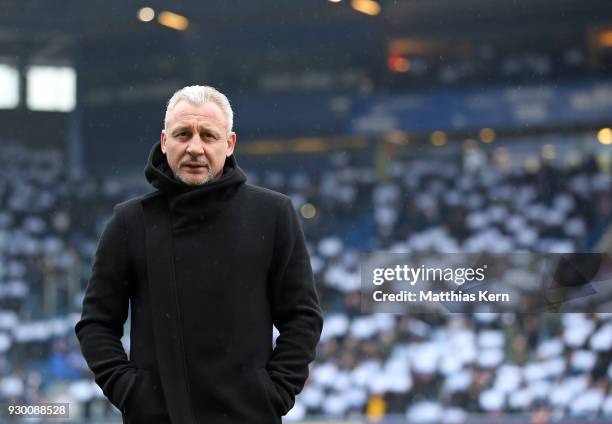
point(49, 27)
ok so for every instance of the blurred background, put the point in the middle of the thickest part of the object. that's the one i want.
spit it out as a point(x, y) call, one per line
point(395, 126)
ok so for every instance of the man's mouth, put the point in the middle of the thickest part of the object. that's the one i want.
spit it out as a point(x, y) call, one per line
point(195, 165)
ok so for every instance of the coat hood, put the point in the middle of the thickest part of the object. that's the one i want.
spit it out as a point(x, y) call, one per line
point(160, 176)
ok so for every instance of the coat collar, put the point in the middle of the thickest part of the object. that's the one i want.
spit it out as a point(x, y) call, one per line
point(184, 196)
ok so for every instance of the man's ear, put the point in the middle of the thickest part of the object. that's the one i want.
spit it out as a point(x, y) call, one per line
point(231, 143)
point(163, 141)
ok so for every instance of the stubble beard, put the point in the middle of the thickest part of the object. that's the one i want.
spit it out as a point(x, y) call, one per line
point(206, 180)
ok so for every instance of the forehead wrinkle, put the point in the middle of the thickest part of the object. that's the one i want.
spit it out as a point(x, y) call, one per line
point(181, 125)
point(192, 121)
point(185, 109)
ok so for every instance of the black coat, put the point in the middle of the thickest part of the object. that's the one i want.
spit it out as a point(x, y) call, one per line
point(206, 272)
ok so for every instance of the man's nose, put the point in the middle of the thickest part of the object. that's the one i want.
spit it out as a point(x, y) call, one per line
point(195, 147)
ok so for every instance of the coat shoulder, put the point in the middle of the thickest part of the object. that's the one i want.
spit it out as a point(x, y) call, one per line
point(266, 196)
point(133, 206)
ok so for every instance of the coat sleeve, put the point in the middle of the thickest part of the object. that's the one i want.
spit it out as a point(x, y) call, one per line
point(105, 309)
point(296, 312)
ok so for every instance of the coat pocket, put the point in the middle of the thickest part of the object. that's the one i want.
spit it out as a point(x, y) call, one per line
point(272, 395)
point(146, 403)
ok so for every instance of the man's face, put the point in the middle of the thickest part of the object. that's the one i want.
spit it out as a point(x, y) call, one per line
point(195, 142)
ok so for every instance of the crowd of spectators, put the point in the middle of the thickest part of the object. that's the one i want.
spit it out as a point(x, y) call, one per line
point(425, 368)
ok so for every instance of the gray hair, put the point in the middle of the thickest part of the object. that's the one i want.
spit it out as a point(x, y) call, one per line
point(198, 95)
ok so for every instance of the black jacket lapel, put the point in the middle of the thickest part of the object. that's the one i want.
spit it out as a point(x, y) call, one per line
point(164, 304)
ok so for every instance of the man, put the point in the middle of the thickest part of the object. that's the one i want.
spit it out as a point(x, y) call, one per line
point(208, 263)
